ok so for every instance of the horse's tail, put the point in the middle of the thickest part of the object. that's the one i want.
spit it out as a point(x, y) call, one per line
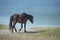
point(10, 24)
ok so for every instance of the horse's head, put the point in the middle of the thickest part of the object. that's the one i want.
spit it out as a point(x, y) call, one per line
point(30, 18)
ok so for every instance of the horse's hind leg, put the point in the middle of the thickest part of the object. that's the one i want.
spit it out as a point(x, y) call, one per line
point(21, 27)
point(14, 27)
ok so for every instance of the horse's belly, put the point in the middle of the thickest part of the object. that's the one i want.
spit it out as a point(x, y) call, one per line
point(20, 20)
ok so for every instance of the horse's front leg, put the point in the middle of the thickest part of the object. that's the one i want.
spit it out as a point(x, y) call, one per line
point(25, 27)
point(21, 27)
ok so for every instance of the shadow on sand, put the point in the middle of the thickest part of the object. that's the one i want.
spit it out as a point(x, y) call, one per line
point(36, 31)
point(40, 31)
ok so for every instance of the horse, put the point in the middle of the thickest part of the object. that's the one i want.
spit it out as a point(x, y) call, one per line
point(19, 18)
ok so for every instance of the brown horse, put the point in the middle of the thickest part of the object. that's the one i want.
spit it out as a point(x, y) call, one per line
point(19, 18)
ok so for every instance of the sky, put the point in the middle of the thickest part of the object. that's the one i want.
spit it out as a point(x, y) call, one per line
point(46, 13)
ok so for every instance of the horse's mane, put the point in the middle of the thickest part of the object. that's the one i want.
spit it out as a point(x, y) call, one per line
point(27, 15)
point(24, 14)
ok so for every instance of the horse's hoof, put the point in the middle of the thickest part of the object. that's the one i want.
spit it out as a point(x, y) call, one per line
point(9, 29)
point(12, 32)
point(25, 31)
point(15, 31)
point(19, 29)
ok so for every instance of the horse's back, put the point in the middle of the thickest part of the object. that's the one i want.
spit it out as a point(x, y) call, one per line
point(19, 17)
